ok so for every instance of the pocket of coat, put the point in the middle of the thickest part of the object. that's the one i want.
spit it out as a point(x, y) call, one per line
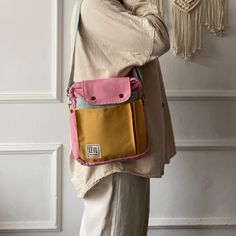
point(108, 133)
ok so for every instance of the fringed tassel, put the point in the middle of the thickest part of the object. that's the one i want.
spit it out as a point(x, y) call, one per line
point(159, 4)
point(215, 18)
point(187, 30)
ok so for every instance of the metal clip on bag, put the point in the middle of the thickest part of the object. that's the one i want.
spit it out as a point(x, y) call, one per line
point(108, 121)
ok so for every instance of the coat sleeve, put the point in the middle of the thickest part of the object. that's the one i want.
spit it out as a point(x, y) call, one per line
point(142, 8)
point(136, 31)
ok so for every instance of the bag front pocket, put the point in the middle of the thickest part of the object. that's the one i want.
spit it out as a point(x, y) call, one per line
point(109, 133)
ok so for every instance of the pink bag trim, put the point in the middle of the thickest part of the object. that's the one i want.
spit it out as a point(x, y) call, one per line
point(74, 134)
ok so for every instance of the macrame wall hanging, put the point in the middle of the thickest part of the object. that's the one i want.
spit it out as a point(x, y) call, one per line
point(188, 19)
point(187, 28)
point(215, 16)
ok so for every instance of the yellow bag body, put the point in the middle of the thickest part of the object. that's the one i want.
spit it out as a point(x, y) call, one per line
point(111, 133)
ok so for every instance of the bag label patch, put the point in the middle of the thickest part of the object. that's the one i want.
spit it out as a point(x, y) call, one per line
point(93, 151)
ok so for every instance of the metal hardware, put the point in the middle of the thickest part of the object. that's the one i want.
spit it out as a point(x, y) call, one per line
point(69, 103)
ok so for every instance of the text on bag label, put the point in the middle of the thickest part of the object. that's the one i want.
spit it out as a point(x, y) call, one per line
point(93, 151)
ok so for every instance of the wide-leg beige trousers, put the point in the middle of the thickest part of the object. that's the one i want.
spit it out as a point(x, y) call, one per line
point(117, 206)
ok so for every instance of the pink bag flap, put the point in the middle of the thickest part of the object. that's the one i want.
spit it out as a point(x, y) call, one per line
point(106, 91)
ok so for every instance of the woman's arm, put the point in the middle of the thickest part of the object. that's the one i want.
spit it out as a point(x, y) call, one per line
point(138, 34)
point(146, 9)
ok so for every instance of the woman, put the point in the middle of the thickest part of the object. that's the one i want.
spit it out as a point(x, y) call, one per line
point(112, 38)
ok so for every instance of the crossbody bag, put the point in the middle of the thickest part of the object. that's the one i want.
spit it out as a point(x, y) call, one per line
point(108, 121)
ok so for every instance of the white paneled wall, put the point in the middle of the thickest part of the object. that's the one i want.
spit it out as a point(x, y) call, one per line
point(30, 187)
point(197, 191)
point(30, 135)
point(197, 194)
point(31, 47)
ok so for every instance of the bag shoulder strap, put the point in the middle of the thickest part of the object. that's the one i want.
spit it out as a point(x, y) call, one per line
point(71, 77)
point(137, 69)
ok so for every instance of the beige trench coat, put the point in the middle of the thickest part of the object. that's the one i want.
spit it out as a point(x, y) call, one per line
point(112, 39)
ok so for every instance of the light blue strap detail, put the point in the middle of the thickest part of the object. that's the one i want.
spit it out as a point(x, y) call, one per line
point(71, 79)
point(138, 72)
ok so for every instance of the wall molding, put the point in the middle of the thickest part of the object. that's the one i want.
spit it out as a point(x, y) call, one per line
point(185, 223)
point(55, 95)
point(55, 151)
point(205, 144)
point(201, 95)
